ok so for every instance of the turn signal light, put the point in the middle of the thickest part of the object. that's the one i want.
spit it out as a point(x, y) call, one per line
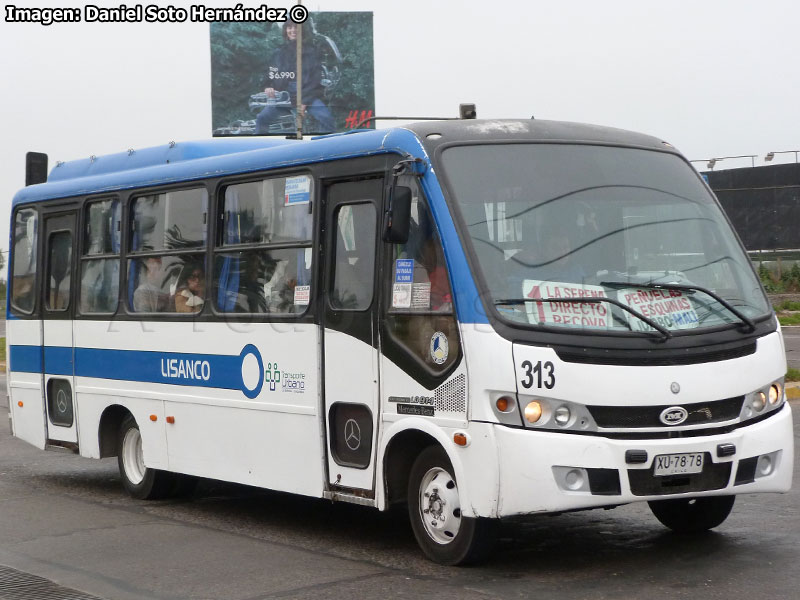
point(460, 439)
point(170, 420)
point(20, 403)
point(153, 418)
point(503, 404)
point(533, 412)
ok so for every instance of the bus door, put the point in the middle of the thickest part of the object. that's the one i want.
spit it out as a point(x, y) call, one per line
point(350, 336)
point(58, 366)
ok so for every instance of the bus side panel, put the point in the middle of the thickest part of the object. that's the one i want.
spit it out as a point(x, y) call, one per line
point(440, 413)
point(248, 413)
point(265, 448)
point(25, 381)
point(94, 396)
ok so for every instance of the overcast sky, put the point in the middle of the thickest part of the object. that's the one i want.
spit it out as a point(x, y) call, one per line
point(714, 78)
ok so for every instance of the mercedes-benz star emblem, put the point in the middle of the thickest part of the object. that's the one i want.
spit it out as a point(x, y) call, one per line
point(352, 434)
point(61, 401)
point(674, 387)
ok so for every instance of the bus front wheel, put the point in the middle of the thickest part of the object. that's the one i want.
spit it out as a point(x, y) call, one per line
point(140, 481)
point(693, 515)
point(434, 507)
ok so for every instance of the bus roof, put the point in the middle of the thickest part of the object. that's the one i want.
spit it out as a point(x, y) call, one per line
point(197, 160)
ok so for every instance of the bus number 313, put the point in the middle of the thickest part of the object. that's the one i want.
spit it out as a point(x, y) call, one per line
point(531, 370)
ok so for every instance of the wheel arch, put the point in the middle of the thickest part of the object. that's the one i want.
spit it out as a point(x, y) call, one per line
point(108, 430)
point(403, 442)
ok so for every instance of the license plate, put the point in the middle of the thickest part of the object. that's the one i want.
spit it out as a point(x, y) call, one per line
point(678, 464)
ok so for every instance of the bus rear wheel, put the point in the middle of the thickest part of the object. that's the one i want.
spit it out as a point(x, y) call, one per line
point(693, 515)
point(140, 481)
point(434, 508)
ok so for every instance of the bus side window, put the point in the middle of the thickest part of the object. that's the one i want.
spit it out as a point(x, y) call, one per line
point(59, 268)
point(166, 259)
point(269, 214)
point(100, 261)
point(23, 283)
point(419, 311)
point(355, 257)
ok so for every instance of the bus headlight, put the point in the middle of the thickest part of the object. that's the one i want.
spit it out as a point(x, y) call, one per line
point(763, 401)
point(562, 415)
point(533, 412)
point(558, 415)
point(775, 393)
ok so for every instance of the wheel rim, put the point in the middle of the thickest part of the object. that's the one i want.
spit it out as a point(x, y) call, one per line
point(132, 456)
point(439, 507)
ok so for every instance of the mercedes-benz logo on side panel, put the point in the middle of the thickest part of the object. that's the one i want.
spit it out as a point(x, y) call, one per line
point(674, 415)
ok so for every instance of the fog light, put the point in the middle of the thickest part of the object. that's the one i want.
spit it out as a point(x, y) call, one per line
point(562, 415)
point(574, 479)
point(533, 412)
point(759, 401)
point(774, 394)
point(765, 465)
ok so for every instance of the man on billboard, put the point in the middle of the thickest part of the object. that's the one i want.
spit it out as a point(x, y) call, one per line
point(281, 90)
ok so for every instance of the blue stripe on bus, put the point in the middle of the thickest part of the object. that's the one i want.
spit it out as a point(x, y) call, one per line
point(469, 307)
point(58, 360)
point(203, 370)
point(173, 368)
point(25, 359)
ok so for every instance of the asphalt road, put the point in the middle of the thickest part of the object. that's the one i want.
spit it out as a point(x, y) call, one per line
point(66, 519)
point(791, 339)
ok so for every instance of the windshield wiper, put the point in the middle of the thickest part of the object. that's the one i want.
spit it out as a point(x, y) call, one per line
point(595, 300)
point(686, 288)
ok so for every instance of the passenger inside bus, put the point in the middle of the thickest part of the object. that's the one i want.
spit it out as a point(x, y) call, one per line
point(191, 293)
point(149, 296)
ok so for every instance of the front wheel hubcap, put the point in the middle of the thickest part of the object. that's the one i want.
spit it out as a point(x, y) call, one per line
point(439, 507)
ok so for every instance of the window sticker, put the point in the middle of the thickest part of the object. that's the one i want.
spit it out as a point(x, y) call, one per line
point(298, 190)
point(671, 309)
point(401, 295)
point(302, 294)
point(404, 270)
point(420, 295)
point(570, 314)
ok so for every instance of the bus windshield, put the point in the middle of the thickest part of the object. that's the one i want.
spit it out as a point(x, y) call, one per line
point(633, 232)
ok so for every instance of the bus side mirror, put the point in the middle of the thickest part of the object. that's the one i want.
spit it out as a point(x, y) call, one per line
point(397, 222)
point(35, 168)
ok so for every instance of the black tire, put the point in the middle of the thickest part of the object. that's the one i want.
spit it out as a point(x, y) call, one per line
point(140, 482)
point(693, 515)
point(447, 538)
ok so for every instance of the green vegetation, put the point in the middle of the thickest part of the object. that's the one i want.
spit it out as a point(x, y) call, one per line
point(3, 349)
point(787, 305)
point(791, 319)
point(793, 374)
point(782, 281)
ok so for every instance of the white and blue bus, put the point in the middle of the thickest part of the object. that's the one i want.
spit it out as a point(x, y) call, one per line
point(477, 318)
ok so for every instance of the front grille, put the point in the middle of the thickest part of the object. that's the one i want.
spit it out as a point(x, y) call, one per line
point(653, 358)
point(715, 411)
point(715, 476)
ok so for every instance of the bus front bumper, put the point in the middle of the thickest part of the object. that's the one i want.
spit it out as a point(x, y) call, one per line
point(542, 471)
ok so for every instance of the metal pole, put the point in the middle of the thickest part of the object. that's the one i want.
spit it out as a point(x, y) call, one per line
point(299, 71)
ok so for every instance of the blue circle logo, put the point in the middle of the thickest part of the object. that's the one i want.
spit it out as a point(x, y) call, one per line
point(252, 371)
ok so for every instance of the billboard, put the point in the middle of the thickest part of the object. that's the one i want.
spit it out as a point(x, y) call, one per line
point(254, 82)
point(763, 203)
